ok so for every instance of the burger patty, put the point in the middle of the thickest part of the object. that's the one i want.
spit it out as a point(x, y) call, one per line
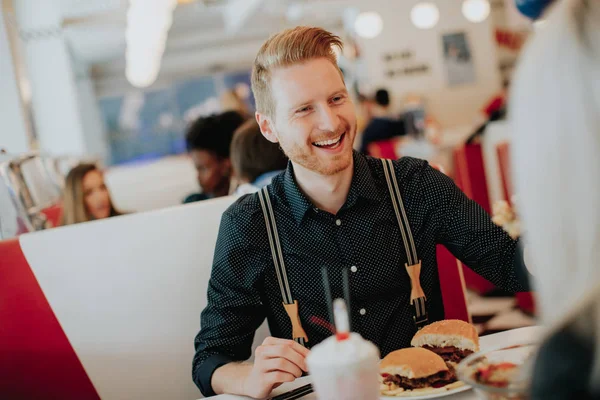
point(440, 379)
point(450, 353)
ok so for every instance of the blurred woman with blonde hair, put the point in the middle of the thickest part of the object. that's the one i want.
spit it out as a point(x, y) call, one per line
point(554, 111)
point(86, 197)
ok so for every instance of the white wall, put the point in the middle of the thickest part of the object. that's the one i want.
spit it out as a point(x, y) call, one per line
point(13, 130)
point(63, 107)
point(450, 105)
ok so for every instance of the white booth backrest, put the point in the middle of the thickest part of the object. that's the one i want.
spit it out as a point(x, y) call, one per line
point(152, 185)
point(128, 292)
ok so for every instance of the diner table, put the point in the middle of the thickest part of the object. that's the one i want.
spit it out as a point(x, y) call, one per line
point(488, 342)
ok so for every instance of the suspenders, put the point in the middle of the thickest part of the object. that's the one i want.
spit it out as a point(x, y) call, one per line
point(290, 305)
point(413, 267)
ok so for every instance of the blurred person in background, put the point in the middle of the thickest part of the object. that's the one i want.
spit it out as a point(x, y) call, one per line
point(381, 104)
point(208, 142)
point(364, 113)
point(383, 124)
point(255, 161)
point(363, 117)
point(495, 108)
point(86, 197)
point(554, 111)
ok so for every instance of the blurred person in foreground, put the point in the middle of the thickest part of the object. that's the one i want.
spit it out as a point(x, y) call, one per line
point(332, 208)
point(255, 161)
point(383, 125)
point(208, 142)
point(554, 112)
point(85, 196)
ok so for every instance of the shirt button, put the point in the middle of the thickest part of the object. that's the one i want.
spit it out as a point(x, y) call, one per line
point(338, 222)
point(362, 311)
point(353, 268)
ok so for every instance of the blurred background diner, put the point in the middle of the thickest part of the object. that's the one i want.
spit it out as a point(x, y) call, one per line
point(208, 142)
point(254, 160)
point(85, 196)
point(131, 84)
point(114, 113)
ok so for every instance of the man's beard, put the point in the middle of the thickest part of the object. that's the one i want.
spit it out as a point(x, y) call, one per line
point(310, 161)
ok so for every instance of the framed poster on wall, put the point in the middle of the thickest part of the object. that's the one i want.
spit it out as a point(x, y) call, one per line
point(458, 59)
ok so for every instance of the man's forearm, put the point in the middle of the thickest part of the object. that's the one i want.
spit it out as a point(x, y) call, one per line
point(230, 378)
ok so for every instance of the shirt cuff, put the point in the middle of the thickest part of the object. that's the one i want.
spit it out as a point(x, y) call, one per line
point(206, 371)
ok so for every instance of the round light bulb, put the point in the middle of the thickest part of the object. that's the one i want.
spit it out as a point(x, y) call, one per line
point(368, 25)
point(476, 10)
point(425, 15)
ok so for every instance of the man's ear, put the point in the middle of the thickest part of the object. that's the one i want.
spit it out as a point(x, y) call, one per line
point(267, 127)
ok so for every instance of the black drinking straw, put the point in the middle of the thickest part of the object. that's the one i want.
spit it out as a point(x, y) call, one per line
point(328, 297)
point(346, 282)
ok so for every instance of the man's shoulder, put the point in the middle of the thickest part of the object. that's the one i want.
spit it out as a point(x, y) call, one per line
point(247, 208)
point(406, 168)
point(242, 223)
point(244, 208)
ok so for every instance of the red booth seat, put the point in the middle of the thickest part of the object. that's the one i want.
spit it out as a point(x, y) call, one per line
point(387, 149)
point(38, 361)
point(503, 152)
point(53, 214)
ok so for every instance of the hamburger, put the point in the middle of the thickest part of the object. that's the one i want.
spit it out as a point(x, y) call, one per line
point(452, 339)
point(415, 372)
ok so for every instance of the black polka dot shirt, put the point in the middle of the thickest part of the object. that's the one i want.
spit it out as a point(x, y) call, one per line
point(365, 238)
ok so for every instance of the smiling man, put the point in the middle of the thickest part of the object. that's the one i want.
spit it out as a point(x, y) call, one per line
point(332, 208)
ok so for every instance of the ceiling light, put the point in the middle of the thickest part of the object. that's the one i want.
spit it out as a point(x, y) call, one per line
point(368, 25)
point(476, 10)
point(425, 15)
point(148, 24)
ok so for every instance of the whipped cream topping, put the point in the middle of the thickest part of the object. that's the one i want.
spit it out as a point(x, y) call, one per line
point(354, 350)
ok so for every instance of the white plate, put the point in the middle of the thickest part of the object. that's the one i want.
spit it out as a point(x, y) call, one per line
point(507, 338)
point(431, 396)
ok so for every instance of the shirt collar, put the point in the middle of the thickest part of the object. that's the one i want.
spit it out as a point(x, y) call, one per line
point(363, 186)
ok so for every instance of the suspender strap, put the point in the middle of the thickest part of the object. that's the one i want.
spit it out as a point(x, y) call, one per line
point(413, 267)
point(290, 305)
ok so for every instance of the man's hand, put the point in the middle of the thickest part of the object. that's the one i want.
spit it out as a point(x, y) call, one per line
point(276, 361)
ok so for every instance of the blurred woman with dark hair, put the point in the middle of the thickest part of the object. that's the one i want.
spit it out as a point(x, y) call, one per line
point(86, 197)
